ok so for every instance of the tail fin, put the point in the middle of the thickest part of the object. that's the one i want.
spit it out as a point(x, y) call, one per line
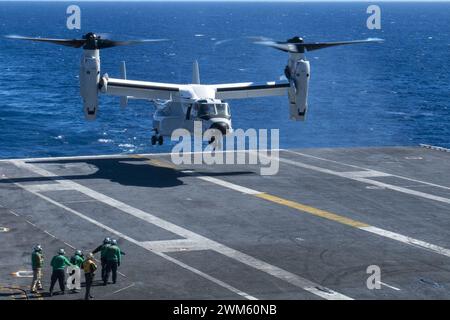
point(123, 74)
point(195, 73)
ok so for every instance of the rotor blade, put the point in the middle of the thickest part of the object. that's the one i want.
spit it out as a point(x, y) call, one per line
point(283, 46)
point(75, 43)
point(105, 43)
point(300, 47)
point(322, 45)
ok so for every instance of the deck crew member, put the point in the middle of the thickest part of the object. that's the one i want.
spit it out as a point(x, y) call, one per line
point(102, 249)
point(89, 268)
point(77, 260)
point(113, 259)
point(59, 262)
point(37, 262)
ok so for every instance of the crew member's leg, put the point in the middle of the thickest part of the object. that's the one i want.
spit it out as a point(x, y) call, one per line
point(52, 282)
point(114, 271)
point(89, 277)
point(108, 271)
point(61, 280)
point(35, 280)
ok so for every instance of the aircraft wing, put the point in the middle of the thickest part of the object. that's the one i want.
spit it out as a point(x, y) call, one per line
point(250, 90)
point(139, 89)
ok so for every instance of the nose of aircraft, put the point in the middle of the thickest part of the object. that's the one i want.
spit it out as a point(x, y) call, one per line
point(221, 126)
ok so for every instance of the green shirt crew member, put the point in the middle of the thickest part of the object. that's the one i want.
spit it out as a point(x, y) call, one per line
point(113, 259)
point(102, 249)
point(58, 263)
point(77, 259)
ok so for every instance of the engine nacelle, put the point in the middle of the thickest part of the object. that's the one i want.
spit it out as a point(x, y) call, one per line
point(299, 70)
point(89, 81)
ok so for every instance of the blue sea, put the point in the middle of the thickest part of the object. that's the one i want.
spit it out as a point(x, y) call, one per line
point(395, 93)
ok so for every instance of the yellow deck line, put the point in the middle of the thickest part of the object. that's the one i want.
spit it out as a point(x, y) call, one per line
point(312, 210)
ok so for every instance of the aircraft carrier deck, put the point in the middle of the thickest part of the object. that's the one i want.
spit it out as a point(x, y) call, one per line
point(227, 232)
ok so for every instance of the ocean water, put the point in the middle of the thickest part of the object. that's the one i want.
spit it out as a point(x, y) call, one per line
point(396, 93)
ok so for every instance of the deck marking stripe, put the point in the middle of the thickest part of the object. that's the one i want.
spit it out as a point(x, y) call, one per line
point(272, 270)
point(128, 287)
point(407, 240)
point(312, 210)
point(404, 190)
point(47, 187)
point(358, 167)
point(229, 185)
point(389, 286)
point(364, 180)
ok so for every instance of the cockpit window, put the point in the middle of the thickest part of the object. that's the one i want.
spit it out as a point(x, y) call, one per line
point(206, 109)
point(222, 109)
point(213, 110)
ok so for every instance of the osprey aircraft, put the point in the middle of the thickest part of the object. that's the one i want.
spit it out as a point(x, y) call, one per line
point(179, 105)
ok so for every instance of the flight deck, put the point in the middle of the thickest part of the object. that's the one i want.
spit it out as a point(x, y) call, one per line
point(315, 230)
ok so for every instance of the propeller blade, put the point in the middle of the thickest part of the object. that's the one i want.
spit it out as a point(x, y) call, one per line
point(90, 41)
point(296, 47)
point(283, 46)
point(322, 45)
point(75, 43)
point(105, 43)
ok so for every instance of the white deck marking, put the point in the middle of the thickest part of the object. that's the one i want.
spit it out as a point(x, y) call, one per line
point(260, 265)
point(364, 180)
point(365, 174)
point(128, 287)
point(389, 286)
point(408, 240)
point(362, 168)
point(404, 190)
point(47, 187)
point(69, 245)
point(228, 185)
point(174, 245)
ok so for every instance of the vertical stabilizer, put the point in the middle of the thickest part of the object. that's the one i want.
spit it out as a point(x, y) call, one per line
point(123, 75)
point(195, 73)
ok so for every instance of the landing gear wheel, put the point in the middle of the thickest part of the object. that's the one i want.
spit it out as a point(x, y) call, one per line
point(154, 140)
point(160, 140)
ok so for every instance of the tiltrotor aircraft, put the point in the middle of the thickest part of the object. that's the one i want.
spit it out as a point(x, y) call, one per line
point(179, 105)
